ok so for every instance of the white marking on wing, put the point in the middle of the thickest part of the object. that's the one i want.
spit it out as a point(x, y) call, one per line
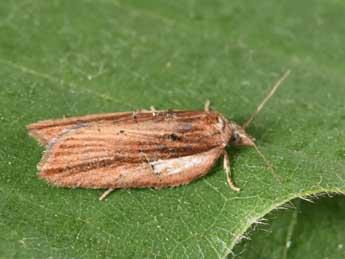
point(177, 165)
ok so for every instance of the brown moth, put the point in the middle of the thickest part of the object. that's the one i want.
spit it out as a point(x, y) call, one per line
point(141, 149)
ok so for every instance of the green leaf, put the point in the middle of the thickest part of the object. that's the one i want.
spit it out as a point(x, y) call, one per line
point(307, 231)
point(68, 58)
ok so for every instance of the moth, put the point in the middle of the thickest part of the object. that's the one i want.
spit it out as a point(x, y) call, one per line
point(139, 149)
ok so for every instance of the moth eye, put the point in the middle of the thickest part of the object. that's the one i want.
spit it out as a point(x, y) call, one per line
point(235, 138)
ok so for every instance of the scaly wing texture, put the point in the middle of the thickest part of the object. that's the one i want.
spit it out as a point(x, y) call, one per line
point(122, 151)
point(45, 131)
point(158, 174)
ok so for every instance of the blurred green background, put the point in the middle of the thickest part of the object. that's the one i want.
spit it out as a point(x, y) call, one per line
point(67, 58)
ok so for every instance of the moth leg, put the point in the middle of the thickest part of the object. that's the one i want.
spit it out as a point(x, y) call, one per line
point(105, 194)
point(207, 105)
point(228, 172)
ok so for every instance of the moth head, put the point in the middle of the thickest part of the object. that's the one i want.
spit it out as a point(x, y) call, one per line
point(240, 137)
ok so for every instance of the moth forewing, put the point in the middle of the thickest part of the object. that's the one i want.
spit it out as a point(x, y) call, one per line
point(159, 150)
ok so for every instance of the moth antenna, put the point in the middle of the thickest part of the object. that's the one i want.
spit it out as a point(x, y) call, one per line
point(274, 88)
point(278, 177)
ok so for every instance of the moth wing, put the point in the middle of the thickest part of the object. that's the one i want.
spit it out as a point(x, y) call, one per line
point(134, 154)
point(48, 130)
point(158, 174)
point(126, 136)
point(45, 131)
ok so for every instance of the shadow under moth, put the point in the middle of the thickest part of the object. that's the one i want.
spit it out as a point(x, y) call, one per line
point(139, 149)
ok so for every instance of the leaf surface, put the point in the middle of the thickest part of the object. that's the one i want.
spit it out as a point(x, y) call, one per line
point(68, 58)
